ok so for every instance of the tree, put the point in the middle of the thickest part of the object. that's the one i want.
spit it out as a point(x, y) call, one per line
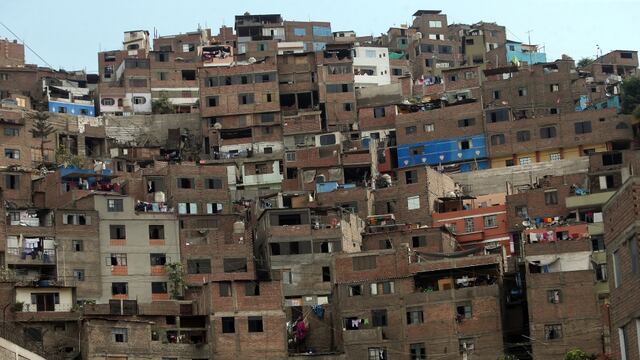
point(175, 273)
point(162, 105)
point(64, 156)
point(41, 129)
point(585, 61)
point(577, 354)
point(631, 96)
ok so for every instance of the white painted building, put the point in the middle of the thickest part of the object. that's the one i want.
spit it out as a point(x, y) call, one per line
point(371, 66)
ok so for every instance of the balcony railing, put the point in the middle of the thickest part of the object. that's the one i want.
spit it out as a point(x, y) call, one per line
point(31, 255)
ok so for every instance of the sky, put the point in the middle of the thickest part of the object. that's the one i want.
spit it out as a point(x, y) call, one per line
point(69, 33)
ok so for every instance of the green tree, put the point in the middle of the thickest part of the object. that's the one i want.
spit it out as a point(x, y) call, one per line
point(577, 354)
point(64, 156)
point(41, 128)
point(585, 61)
point(162, 105)
point(175, 273)
point(631, 96)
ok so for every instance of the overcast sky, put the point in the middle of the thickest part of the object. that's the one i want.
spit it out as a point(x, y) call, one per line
point(69, 33)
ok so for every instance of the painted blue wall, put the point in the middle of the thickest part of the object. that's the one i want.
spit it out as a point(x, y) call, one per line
point(532, 58)
point(72, 108)
point(449, 148)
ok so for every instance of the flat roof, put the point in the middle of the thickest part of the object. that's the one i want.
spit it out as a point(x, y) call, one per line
point(427, 12)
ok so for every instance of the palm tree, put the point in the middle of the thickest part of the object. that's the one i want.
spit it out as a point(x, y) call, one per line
point(41, 128)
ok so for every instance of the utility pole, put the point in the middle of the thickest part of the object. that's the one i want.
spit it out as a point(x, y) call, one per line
point(529, 40)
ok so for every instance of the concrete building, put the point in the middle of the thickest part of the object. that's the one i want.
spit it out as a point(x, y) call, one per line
point(371, 66)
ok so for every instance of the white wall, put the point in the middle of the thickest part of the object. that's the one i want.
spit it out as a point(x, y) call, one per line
point(375, 58)
point(24, 295)
point(139, 108)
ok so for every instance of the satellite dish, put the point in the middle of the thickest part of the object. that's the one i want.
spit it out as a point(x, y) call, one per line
point(251, 60)
point(526, 223)
point(217, 126)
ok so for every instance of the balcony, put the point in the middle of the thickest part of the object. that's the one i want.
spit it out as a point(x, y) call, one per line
point(590, 200)
point(363, 335)
point(31, 256)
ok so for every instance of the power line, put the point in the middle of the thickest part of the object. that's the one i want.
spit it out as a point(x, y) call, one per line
point(25, 44)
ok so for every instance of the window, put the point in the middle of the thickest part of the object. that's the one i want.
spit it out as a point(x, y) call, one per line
point(348, 106)
point(114, 205)
point(290, 156)
point(617, 271)
point(255, 324)
point(326, 274)
point(119, 288)
point(299, 31)
point(411, 176)
point(11, 132)
point(118, 259)
point(522, 211)
point(554, 87)
point(413, 202)
point(228, 325)
point(327, 139)
point(355, 290)
point(139, 100)
point(199, 266)
point(157, 259)
point(611, 159)
point(490, 221)
point(522, 91)
point(117, 232)
point(463, 311)
point(582, 127)
point(225, 288)
point(287, 276)
point(524, 160)
point(553, 296)
point(499, 115)
point(554, 111)
point(267, 130)
point(262, 46)
point(553, 332)
point(232, 265)
point(410, 130)
point(78, 274)
point(76, 219)
point(466, 122)
point(5, 76)
point(156, 232)
point(496, 94)
point(555, 156)
point(435, 23)
point(414, 316)
point(418, 241)
point(382, 288)
point(396, 72)
point(187, 208)
point(623, 340)
point(497, 139)
point(12, 154)
point(626, 55)
point(245, 99)
point(267, 117)
point(364, 262)
point(377, 353)
point(379, 317)
point(77, 245)
point(464, 144)
point(468, 225)
point(158, 287)
point(551, 197)
point(120, 335)
point(213, 183)
point(523, 135)
point(417, 351)
point(12, 181)
point(212, 101)
point(186, 183)
point(597, 243)
point(547, 132)
point(601, 272)
point(445, 49)
point(252, 288)
point(466, 345)
point(379, 112)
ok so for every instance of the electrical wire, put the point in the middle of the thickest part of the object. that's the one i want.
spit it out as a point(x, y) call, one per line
point(26, 45)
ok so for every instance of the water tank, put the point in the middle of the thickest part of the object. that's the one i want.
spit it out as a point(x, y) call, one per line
point(238, 227)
